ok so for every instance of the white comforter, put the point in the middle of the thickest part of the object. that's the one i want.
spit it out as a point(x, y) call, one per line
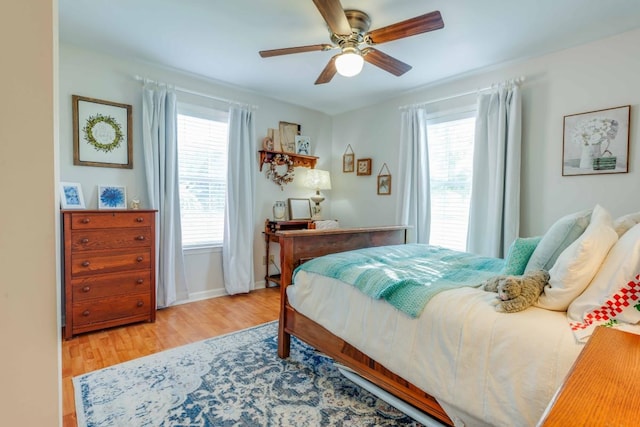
point(483, 367)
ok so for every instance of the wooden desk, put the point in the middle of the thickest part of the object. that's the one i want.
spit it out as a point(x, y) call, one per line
point(602, 388)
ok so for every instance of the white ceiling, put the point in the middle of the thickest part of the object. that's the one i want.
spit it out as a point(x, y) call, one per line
point(220, 39)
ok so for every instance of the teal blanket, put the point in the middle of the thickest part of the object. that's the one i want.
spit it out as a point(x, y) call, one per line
point(407, 276)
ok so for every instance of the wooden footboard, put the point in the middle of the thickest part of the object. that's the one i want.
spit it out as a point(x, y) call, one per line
point(294, 323)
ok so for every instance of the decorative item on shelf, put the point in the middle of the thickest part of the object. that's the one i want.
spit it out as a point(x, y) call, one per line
point(135, 203)
point(71, 195)
point(317, 180)
point(303, 145)
point(279, 210)
point(591, 139)
point(272, 173)
point(267, 144)
point(364, 167)
point(348, 159)
point(384, 181)
point(288, 133)
point(102, 133)
point(112, 197)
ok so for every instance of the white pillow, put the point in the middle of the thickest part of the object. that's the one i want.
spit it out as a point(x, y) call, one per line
point(625, 222)
point(614, 292)
point(578, 264)
point(559, 236)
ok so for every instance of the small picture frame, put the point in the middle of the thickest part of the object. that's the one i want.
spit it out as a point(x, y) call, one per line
point(384, 185)
point(363, 167)
point(287, 136)
point(112, 197)
point(299, 209)
point(71, 195)
point(102, 133)
point(348, 160)
point(303, 145)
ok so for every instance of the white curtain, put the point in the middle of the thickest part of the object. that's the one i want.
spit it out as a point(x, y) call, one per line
point(159, 140)
point(494, 217)
point(237, 244)
point(414, 207)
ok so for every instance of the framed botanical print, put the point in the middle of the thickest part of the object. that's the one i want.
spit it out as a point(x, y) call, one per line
point(348, 160)
point(102, 133)
point(363, 167)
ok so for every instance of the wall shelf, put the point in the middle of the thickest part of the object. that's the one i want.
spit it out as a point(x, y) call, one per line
point(298, 159)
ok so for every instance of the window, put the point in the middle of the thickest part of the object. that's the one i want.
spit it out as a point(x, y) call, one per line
point(450, 140)
point(202, 170)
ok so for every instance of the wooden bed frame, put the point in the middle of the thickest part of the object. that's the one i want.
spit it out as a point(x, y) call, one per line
point(300, 245)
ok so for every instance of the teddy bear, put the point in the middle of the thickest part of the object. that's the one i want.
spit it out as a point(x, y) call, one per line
point(516, 293)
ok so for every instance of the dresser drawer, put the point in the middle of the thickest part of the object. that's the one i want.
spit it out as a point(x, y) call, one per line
point(106, 285)
point(92, 262)
point(85, 240)
point(83, 221)
point(105, 309)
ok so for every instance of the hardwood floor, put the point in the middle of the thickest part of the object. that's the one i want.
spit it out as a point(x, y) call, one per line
point(174, 326)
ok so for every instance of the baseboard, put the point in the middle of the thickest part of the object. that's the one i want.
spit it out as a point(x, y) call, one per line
point(212, 293)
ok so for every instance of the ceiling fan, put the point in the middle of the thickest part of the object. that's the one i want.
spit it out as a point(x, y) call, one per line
point(349, 31)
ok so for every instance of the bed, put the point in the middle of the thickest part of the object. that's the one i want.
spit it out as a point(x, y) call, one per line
point(457, 359)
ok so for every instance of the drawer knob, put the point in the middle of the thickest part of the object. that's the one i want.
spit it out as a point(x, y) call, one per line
point(86, 313)
point(85, 220)
point(139, 259)
point(84, 241)
point(140, 281)
point(86, 289)
point(140, 219)
point(140, 304)
point(140, 238)
point(86, 263)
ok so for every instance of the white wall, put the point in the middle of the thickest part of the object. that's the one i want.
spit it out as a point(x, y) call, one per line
point(590, 77)
point(29, 290)
point(106, 77)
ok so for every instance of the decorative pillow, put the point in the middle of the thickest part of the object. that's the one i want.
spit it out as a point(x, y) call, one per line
point(559, 236)
point(624, 223)
point(518, 256)
point(614, 293)
point(578, 264)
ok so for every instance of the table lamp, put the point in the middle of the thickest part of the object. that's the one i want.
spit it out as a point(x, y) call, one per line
point(317, 179)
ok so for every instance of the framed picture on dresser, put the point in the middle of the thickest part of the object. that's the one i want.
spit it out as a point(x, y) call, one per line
point(71, 195)
point(112, 197)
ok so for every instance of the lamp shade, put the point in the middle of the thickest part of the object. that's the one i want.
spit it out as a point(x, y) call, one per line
point(317, 179)
point(349, 63)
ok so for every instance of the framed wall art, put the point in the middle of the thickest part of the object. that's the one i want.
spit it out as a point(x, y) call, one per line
point(71, 195)
point(384, 181)
point(596, 142)
point(112, 197)
point(348, 160)
point(363, 167)
point(102, 133)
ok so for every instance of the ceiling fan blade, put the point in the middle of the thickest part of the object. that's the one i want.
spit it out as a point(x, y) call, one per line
point(333, 14)
point(329, 71)
point(298, 49)
point(410, 27)
point(384, 61)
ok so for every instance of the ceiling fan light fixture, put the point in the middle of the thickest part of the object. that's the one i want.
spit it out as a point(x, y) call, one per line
point(350, 62)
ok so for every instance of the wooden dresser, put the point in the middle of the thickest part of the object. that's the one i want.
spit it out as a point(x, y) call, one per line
point(109, 268)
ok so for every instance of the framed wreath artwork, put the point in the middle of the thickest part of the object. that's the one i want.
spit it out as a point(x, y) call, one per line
point(102, 133)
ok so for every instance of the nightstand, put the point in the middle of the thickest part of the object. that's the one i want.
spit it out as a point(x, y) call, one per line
point(602, 387)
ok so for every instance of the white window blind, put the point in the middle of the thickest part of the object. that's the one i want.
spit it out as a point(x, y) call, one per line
point(450, 165)
point(202, 169)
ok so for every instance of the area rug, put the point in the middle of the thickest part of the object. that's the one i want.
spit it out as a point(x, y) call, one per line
point(233, 380)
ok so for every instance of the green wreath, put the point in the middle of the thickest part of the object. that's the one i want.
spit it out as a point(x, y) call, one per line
point(88, 133)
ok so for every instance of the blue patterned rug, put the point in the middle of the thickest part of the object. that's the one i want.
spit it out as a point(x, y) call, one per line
point(233, 380)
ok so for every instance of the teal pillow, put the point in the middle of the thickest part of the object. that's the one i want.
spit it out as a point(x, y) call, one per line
point(559, 236)
point(519, 254)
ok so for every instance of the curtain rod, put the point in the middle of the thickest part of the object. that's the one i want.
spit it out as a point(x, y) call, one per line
point(515, 81)
point(193, 92)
